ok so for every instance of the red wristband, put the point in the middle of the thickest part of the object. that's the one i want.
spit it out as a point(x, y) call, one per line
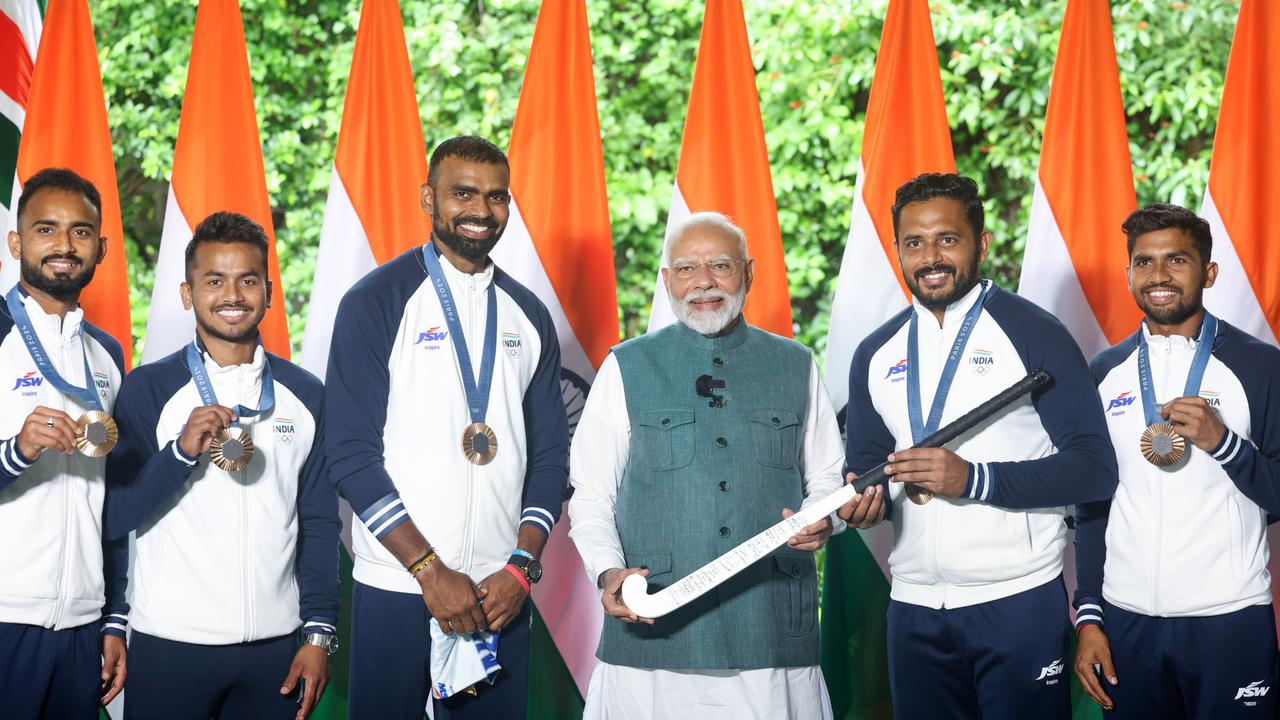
point(519, 576)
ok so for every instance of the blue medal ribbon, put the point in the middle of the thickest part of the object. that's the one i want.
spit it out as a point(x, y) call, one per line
point(919, 428)
point(195, 363)
point(1199, 361)
point(477, 390)
point(88, 396)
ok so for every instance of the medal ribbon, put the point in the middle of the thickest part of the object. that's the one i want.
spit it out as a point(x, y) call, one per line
point(477, 390)
point(195, 363)
point(919, 429)
point(1200, 361)
point(88, 396)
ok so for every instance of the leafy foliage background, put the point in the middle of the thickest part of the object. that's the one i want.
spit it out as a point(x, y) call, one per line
point(814, 60)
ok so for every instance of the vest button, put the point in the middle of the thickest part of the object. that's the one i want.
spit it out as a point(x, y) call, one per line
point(724, 532)
point(775, 421)
point(666, 422)
point(721, 442)
point(717, 362)
point(795, 570)
point(724, 486)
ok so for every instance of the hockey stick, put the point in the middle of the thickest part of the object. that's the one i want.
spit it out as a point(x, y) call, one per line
point(635, 587)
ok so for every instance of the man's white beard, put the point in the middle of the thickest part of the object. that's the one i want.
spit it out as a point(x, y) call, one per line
point(708, 322)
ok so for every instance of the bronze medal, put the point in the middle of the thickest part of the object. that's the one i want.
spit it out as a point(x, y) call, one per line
point(479, 444)
point(918, 495)
point(231, 449)
point(1161, 445)
point(96, 434)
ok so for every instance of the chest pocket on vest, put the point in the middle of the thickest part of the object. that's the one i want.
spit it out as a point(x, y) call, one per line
point(775, 432)
point(795, 592)
point(666, 438)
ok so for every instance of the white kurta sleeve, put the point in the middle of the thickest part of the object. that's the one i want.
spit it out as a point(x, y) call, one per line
point(597, 460)
point(823, 450)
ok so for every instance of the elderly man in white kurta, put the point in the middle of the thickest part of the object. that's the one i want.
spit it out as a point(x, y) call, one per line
point(695, 438)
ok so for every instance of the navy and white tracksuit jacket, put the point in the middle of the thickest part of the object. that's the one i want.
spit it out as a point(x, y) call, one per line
point(1188, 540)
point(55, 560)
point(1006, 535)
point(396, 410)
point(225, 557)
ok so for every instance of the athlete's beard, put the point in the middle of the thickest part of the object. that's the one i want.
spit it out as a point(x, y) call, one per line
point(708, 322)
point(473, 250)
point(62, 286)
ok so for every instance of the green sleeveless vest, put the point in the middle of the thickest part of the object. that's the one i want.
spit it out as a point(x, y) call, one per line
point(704, 475)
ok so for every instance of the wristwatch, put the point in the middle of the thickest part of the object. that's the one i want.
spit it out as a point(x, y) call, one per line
point(326, 641)
point(528, 566)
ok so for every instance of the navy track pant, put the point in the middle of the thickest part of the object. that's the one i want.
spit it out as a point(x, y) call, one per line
point(1220, 666)
point(171, 680)
point(49, 674)
point(391, 663)
point(995, 660)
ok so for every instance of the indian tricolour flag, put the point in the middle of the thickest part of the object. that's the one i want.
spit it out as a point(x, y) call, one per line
point(372, 215)
point(1244, 190)
point(66, 75)
point(905, 134)
point(563, 252)
point(217, 165)
point(724, 165)
point(1075, 260)
point(20, 24)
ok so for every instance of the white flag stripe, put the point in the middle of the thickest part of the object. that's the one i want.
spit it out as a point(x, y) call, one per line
point(169, 325)
point(343, 258)
point(867, 294)
point(660, 313)
point(1049, 279)
point(1231, 297)
point(566, 598)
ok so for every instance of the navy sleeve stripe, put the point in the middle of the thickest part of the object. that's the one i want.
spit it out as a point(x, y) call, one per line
point(537, 510)
point(177, 452)
point(1228, 448)
point(10, 456)
point(391, 523)
point(536, 522)
point(373, 511)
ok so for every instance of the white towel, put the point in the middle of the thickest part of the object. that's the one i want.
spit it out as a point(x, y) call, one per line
point(458, 662)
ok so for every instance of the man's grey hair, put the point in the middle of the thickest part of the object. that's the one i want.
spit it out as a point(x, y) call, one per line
point(709, 220)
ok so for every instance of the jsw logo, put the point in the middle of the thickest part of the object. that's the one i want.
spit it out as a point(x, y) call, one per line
point(1252, 690)
point(899, 369)
point(28, 380)
point(1120, 401)
point(431, 335)
point(1053, 670)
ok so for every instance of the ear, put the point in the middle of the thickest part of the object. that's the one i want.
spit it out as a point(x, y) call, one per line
point(666, 278)
point(984, 241)
point(269, 286)
point(427, 200)
point(1210, 274)
point(1128, 276)
point(102, 248)
point(185, 290)
point(748, 273)
point(15, 245)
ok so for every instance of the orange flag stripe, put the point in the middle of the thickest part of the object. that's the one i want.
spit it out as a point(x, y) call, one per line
point(66, 75)
point(15, 59)
point(217, 162)
point(1084, 165)
point(1246, 150)
point(724, 163)
point(906, 130)
point(381, 156)
point(557, 135)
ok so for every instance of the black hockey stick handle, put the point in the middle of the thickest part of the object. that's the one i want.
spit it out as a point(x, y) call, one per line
point(1034, 380)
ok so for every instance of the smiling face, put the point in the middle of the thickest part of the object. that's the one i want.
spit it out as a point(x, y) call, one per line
point(57, 243)
point(938, 251)
point(228, 289)
point(707, 279)
point(1168, 278)
point(469, 206)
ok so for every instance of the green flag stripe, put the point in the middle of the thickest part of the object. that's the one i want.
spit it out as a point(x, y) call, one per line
point(10, 134)
point(855, 606)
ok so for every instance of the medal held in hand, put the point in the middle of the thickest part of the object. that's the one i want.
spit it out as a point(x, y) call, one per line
point(232, 448)
point(919, 428)
point(479, 443)
point(96, 431)
point(1160, 443)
